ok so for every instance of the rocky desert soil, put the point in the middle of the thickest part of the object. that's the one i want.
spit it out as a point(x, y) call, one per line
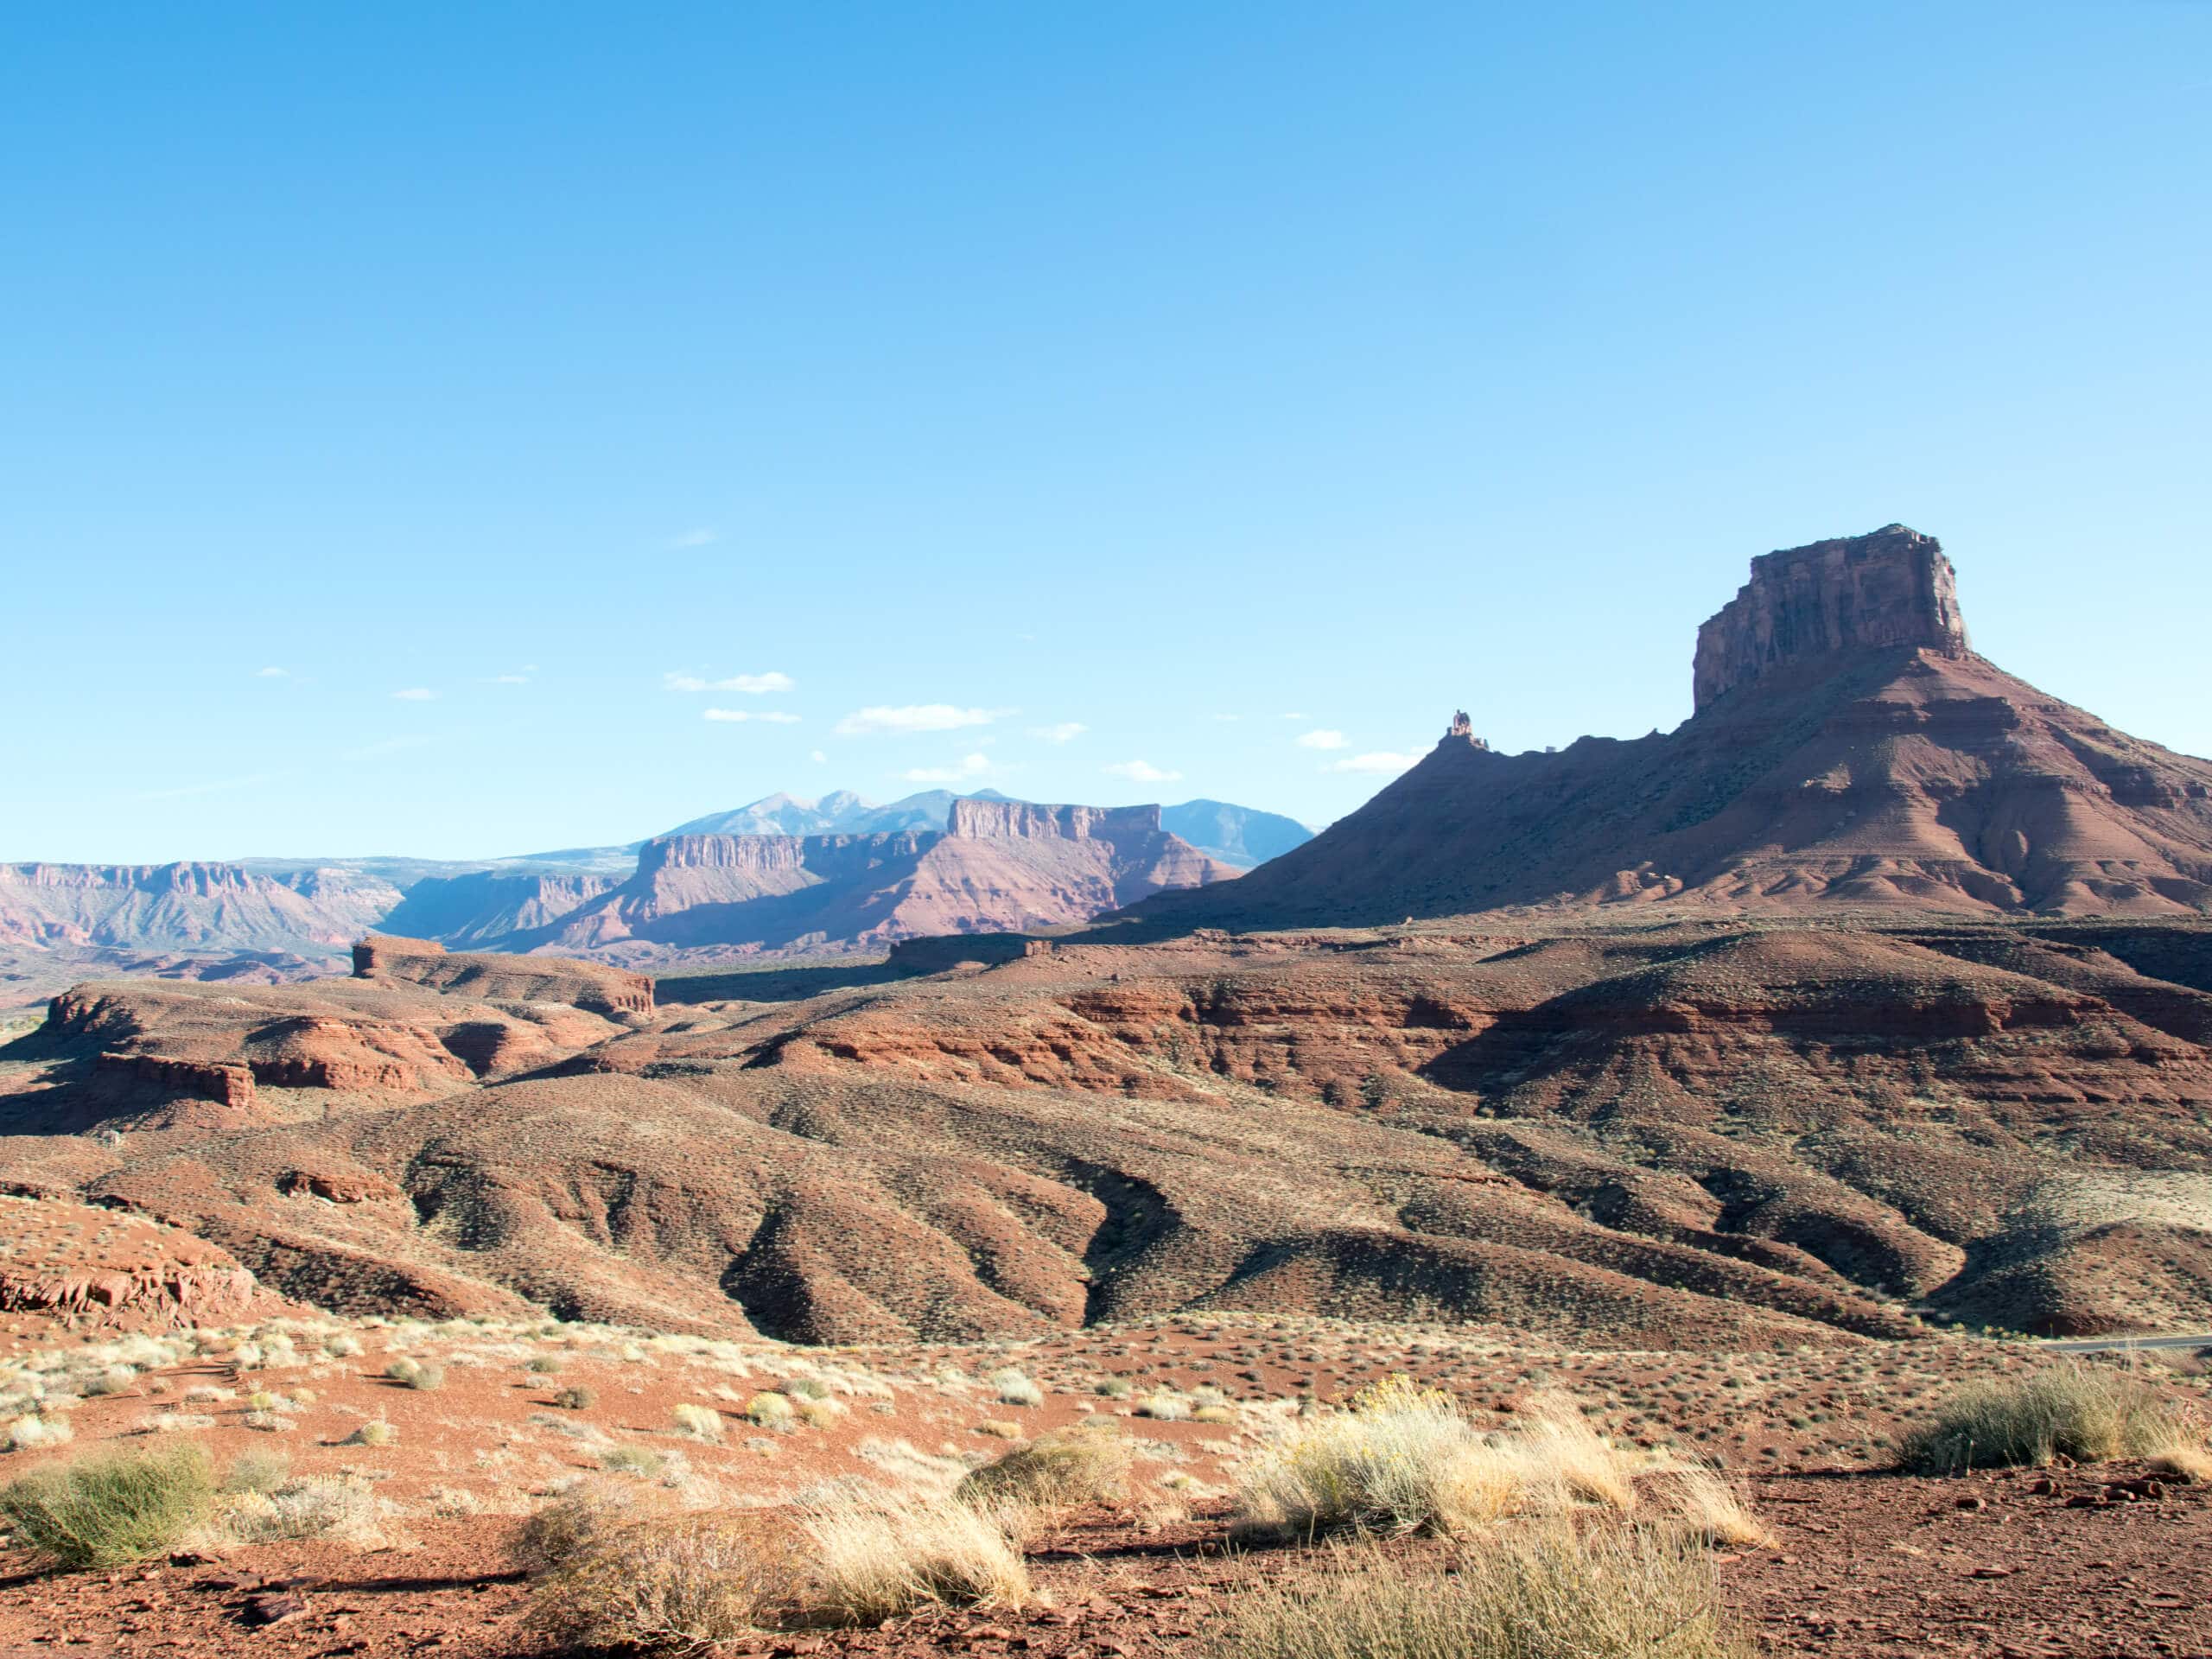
point(1859, 1560)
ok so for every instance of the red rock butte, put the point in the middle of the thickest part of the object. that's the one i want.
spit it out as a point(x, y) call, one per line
point(1856, 593)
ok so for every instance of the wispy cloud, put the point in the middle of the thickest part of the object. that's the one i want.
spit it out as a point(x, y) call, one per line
point(1379, 760)
point(752, 684)
point(818, 757)
point(1066, 732)
point(1295, 715)
point(506, 679)
point(972, 766)
point(701, 537)
point(1141, 772)
point(916, 717)
point(1323, 738)
point(772, 716)
point(416, 693)
point(1227, 719)
point(272, 674)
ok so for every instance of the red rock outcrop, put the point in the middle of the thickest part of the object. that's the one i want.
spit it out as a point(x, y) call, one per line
point(1849, 754)
point(1854, 593)
point(591, 986)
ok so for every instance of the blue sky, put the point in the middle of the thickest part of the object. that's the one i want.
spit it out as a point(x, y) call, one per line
point(407, 407)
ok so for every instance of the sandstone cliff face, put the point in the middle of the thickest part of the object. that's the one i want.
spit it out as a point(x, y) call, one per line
point(186, 906)
point(1892, 587)
point(1001, 865)
point(1026, 821)
point(486, 904)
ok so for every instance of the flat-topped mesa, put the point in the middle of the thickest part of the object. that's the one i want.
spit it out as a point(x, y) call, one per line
point(591, 986)
point(764, 854)
point(1021, 821)
point(1855, 593)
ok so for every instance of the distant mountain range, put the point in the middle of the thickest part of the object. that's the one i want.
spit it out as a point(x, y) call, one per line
point(780, 874)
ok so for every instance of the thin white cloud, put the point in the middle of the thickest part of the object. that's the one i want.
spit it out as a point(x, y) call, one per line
point(773, 716)
point(916, 717)
point(1380, 761)
point(416, 693)
point(1141, 772)
point(754, 685)
point(507, 679)
point(970, 766)
point(1066, 732)
point(701, 537)
point(1295, 714)
point(272, 674)
point(818, 758)
point(1226, 719)
point(1322, 737)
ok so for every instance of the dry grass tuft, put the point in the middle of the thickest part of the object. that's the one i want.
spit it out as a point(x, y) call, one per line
point(1540, 1592)
point(877, 1554)
point(105, 1511)
point(592, 1509)
point(1057, 1470)
point(2088, 1414)
point(1404, 1458)
point(686, 1582)
point(1714, 1510)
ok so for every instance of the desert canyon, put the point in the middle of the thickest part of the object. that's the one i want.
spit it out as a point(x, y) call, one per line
point(1858, 1029)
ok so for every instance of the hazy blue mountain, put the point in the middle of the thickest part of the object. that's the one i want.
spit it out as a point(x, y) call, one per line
point(1241, 836)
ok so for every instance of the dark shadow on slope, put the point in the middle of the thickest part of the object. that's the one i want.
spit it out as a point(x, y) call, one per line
point(794, 984)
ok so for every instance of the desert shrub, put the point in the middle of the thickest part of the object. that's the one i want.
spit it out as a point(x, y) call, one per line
point(688, 1582)
point(543, 1365)
point(700, 1422)
point(576, 1397)
point(378, 1432)
point(2086, 1413)
point(318, 1506)
point(403, 1370)
point(1114, 1388)
point(1402, 1459)
point(113, 1379)
point(1536, 1592)
point(106, 1510)
point(33, 1432)
point(1164, 1407)
point(257, 1472)
point(874, 1555)
point(1056, 1469)
point(555, 1534)
point(1013, 1389)
point(807, 1387)
point(640, 1460)
point(819, 1413)
point(771, 1411)
point(341, 1346)
point(428, 1378)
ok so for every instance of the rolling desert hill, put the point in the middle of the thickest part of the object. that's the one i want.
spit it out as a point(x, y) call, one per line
point(1901, 1011)
point(1849, 752)
point(1695, 1134)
